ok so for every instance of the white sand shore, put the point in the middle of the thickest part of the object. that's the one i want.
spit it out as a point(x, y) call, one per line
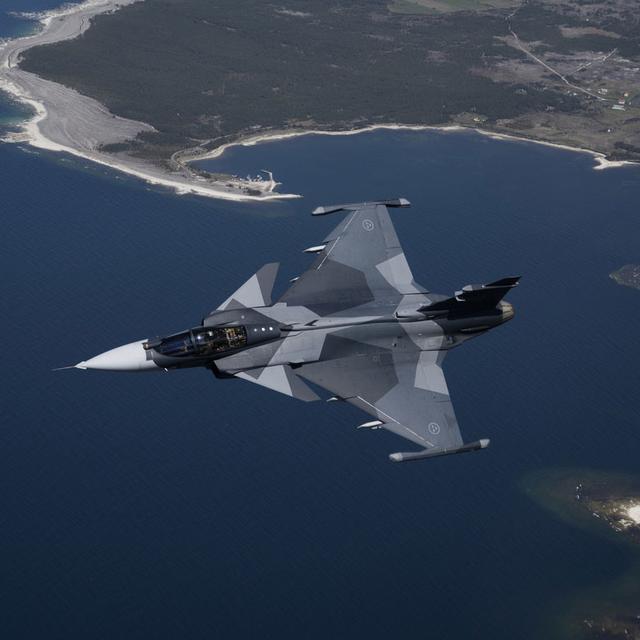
point(600, 159)
point(66, 121)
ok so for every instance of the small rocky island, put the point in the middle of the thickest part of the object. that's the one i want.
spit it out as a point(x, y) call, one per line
point(608, 504)
point(628, 276)
point(614, 502)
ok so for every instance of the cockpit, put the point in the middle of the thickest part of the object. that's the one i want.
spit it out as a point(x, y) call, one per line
point(200, 342)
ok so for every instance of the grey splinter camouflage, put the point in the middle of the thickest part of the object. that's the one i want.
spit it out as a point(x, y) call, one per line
point(355, 323)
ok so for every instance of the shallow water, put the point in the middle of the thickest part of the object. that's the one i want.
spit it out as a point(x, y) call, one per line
point(13, 24)
point(179, 505)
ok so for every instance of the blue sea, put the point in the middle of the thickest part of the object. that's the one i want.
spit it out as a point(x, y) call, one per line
point(12, 22)
point(181, 506)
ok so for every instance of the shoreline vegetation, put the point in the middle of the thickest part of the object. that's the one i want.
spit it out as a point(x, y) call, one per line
point(67, 121)
point(600, 159)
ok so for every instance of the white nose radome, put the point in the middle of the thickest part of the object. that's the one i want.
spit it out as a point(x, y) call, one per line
point(128, 357)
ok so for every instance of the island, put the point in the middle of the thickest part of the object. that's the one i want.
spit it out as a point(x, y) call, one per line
point(628, 276)
point(608, 504)
point(182, 79)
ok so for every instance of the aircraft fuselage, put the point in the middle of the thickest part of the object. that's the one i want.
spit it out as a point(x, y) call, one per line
point(236, 340)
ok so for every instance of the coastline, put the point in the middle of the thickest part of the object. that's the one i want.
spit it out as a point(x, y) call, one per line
point(250, 141)
point(66, 121)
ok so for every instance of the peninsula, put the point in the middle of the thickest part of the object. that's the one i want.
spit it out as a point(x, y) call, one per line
point(159, 83)
point(67, 120)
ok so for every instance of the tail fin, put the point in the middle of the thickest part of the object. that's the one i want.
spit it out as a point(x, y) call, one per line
point(474, 297)
point(256, 291)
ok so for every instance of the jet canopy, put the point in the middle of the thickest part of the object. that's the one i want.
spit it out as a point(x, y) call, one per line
point(200, 342)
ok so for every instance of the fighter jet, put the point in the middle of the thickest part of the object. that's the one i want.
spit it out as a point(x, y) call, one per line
point(355, 324)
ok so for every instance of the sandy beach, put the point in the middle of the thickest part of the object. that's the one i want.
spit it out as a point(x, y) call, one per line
point(66, 121)
point(600, 160)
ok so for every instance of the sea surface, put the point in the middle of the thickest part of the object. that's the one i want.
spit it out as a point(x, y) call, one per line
point(13, 22)
point(181, 506)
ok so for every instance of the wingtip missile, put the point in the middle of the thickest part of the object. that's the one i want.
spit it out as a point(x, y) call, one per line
point(408, 456)
point(334, 208)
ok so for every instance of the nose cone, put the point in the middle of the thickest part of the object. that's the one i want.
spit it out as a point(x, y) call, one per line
point(507, 311)
point(128, 357)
